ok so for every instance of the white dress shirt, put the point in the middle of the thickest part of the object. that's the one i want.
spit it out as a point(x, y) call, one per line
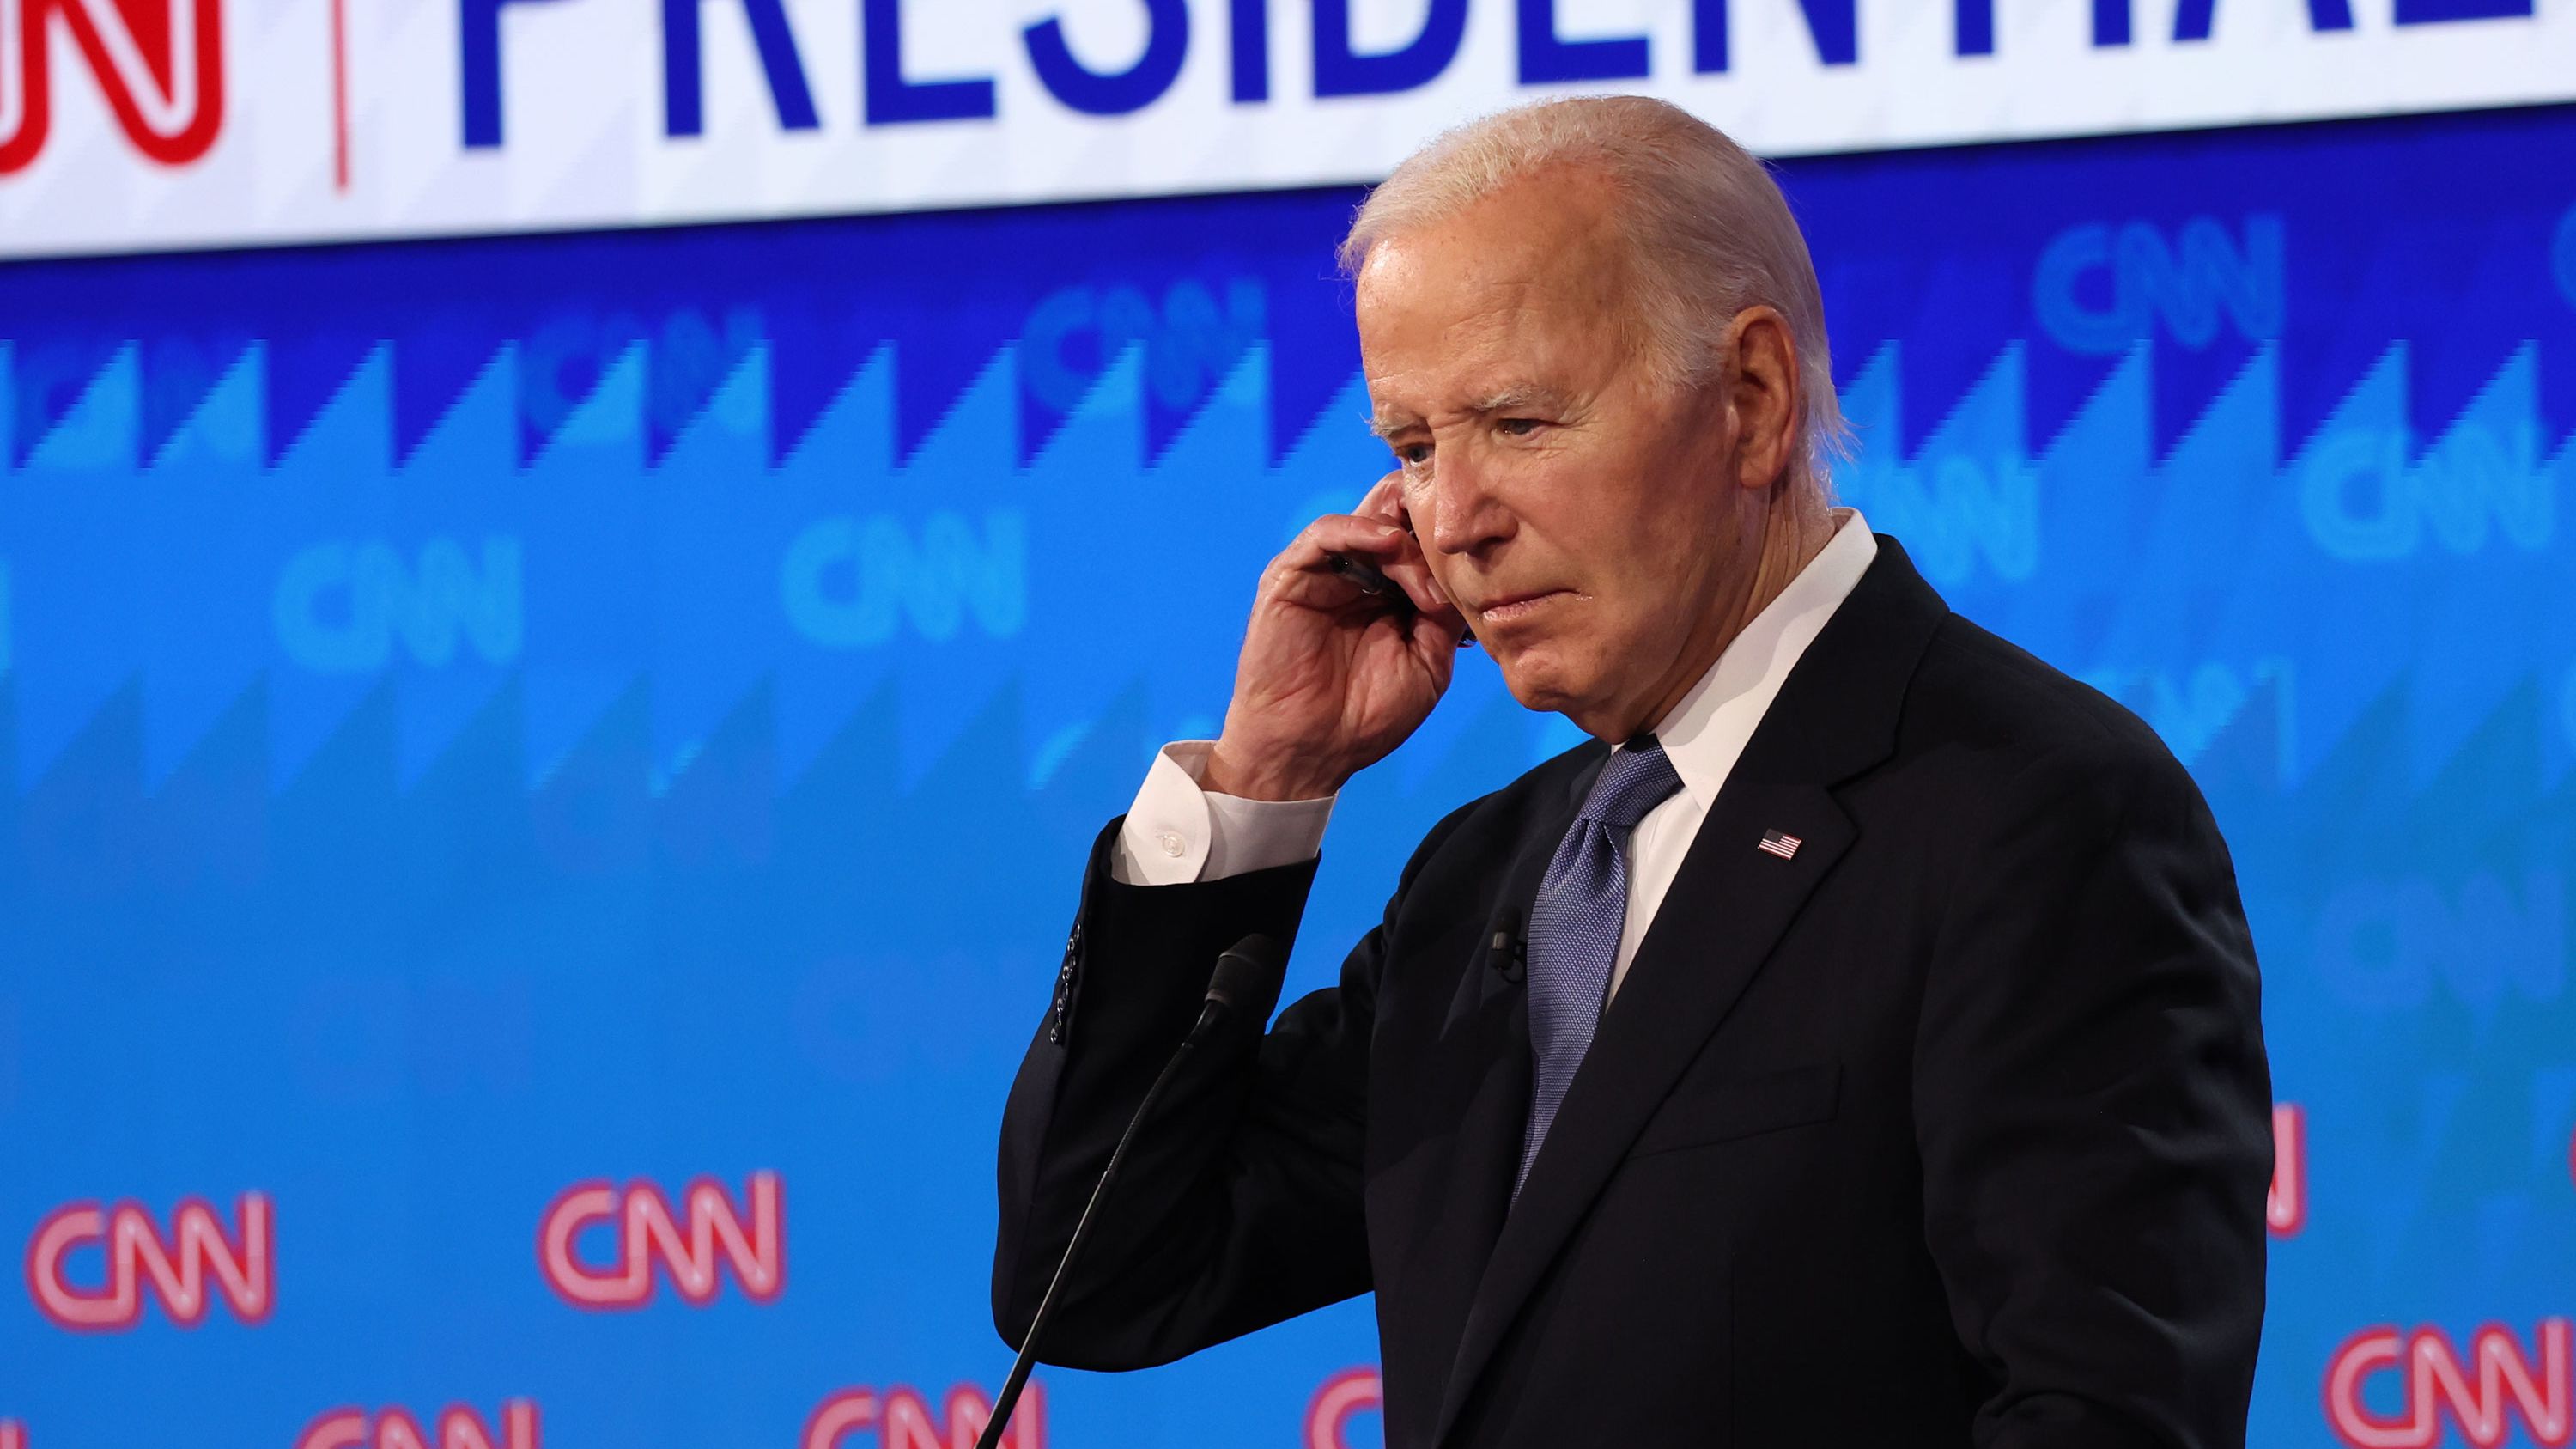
point(1177, 832)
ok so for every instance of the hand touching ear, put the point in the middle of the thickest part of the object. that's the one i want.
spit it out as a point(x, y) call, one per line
point(1330, 679)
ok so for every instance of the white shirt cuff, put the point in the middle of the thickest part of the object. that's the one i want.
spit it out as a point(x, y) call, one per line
point(1178, 831)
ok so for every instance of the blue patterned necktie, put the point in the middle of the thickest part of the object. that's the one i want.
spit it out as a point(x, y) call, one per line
point(1575, 923)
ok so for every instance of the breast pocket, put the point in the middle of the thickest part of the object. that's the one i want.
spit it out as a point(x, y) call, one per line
point(1724, 1107)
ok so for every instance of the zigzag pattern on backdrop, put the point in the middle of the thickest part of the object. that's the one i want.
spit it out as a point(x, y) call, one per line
point(2360, 552)
point(675, 580)
point(661, 703)
point(2360, 556)
point(477, 716)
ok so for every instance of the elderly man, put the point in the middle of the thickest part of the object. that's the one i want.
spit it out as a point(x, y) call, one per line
point(1857, 1044)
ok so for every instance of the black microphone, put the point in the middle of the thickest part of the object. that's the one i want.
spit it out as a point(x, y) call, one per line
point(1236, 983)
point(1508, 952)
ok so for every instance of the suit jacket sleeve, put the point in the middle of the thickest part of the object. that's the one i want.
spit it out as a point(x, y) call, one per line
point(1239, 1202)
point(2094, 1111)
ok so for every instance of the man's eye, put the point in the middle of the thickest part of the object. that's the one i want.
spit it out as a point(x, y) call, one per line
point(1414, 452)
point(1519, 427)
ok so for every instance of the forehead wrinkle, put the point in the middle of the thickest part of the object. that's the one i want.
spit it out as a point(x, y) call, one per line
point(1455, 340)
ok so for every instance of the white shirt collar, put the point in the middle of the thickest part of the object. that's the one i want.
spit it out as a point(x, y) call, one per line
point(1707, 731)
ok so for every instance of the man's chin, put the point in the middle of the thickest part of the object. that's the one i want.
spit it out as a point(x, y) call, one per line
point(1544, 688)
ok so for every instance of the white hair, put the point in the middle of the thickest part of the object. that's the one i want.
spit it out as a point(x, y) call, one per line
point(1709, 231)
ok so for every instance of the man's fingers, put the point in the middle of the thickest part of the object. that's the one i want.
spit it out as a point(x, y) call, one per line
point(1412, 573)
point(1389, 549)
point(1304, 575)
point(1374, 539)
point(1385, 499)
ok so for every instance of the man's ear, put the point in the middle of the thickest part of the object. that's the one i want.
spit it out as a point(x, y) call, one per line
point(1763, 392)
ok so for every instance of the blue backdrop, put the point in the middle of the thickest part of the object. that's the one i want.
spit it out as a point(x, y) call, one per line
point(481, 718)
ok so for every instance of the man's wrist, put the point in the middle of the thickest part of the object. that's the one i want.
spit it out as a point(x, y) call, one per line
point(1224, 774)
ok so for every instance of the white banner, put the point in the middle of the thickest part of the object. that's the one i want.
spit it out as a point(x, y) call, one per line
point(151, 124)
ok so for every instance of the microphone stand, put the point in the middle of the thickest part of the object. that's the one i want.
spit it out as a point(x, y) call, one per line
point(1235, 971)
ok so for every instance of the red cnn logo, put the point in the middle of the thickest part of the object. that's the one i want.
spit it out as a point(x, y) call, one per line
point(903, 1419)
point(1344, 1396)
point(2286, 1207)
point(2499, 1381)
point(458, 1428)
point(244, 1266)
point(647, 1231)
point(160, 63)
point(13, 1435)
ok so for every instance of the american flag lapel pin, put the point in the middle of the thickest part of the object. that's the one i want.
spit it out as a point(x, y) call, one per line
point(1780, 843)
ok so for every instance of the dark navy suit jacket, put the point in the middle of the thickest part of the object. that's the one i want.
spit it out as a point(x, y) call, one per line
point(1951, 1129)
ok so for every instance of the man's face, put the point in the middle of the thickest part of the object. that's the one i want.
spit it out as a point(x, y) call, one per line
point(1582, 514)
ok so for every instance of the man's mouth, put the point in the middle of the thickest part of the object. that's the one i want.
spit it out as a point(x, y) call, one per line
point(1505, 609)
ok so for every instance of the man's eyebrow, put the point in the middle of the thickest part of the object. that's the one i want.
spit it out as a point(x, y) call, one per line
point(1386, 423)
point(1516, 396)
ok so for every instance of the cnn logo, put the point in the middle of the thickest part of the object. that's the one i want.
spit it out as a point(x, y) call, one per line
point(178, 1270)
point(459, 1427)
point(2480, 1396)
point(903, 1419)
point(1344, 1397)
point(692, 1245)
point(2285, 1207)
point(130, 46)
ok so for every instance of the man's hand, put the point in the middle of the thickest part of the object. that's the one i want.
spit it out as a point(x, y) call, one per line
point(1332, 677)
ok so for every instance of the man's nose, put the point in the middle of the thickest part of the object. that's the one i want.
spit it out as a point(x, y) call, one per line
point(1465, 513)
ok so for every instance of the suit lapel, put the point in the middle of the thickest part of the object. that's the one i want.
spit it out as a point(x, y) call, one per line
point(1726, 910)
point(1728, 906)
point(1483, 1046)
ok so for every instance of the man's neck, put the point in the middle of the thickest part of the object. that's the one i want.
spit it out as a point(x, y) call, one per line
point(1794, 533)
